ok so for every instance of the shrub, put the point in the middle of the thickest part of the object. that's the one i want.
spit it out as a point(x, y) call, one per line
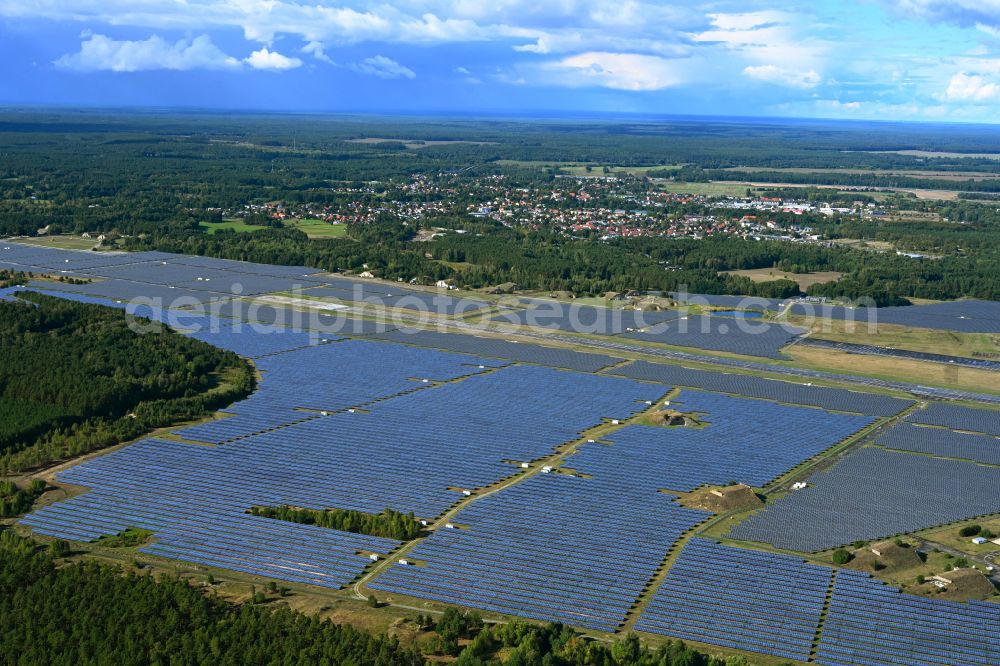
point(842, 556)
point(970, 530)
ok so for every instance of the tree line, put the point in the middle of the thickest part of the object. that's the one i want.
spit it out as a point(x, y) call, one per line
point(74, 378)
point(389, 524)
point(78, 613)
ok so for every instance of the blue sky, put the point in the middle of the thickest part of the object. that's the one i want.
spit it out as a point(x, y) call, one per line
point(930, 60)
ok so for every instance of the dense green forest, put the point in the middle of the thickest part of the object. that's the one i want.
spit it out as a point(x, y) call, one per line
point(74, 377)
point(15, 500)
point(540, 259)
point(390, 524)
point(150, 180)
point(55, 613)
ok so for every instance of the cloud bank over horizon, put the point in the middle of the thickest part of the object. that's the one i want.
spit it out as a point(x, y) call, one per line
point(885, 59)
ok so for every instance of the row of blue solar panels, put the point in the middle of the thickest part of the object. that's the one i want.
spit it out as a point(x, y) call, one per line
point(162, 296)
point(840, 400)
point(330, 377)
point(872, 624)
point(736, 335)
point(244, 266)
point(376, 295)
point(553, 548)
point(871, 494)
point(584, 318)
point(957, 417)
point(256, 340)
point(960, 316)
point(201, 518)
point(181, 320)
point(942, 442)
point(454, 436)
point(511, 351)
point(208, 278)
point(745, 441)
point(743, 599)
point(35, 258)
point(416, 452)
point(9, 293)
point(734, 302)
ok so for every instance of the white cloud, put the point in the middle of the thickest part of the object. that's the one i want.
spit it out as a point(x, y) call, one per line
point(619, 71)
point(965, 87)
point(968, 13)
point(101, 53)
point(384, 68)
point(784, 77)
point(747, 20)
point(557, 26)
point(316, 50)
point(266, 59)
point(766, 42)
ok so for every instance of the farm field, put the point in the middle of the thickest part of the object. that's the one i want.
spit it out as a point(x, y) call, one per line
point(318, 228)
point(804, 280)
point(228, 225)
point(931, 374)
point(62, 242)
point(895, 336)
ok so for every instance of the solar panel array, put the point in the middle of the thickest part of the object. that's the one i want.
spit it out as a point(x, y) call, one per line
point(194, 499)
point(585, 318)
point(872, 494)
point(745, 337)
point(960, 316)
point(256, 341)
point(940, 442)
point(872, 350)
point(873, 624)
point(553, 548)
point(834, 399)
point(7, 294)
point(243, 266)
point(746, 441)
point(169, 277)
point(203, 278)
point(358, 293)
point(722, 301)
point(124, 290)
point(416, 452)
point(329, 377)
point(38, 259)
point(512, 351)
point(743, 599)
point(958, 418)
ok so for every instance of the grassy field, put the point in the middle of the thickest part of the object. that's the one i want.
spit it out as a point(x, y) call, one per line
point(228, 225)
point(804, 280)
point(903, 337)
point(61, 242)
point(416, 144)
point(897, 369)
point(318, 228)
point(917, 173)
point(580, 168)
point(312, 227)
point(949, 536)
point(714, 189)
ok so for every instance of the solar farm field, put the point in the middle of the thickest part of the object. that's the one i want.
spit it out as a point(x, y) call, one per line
point(671, 327)
point(961, 316)
point(551, 482)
